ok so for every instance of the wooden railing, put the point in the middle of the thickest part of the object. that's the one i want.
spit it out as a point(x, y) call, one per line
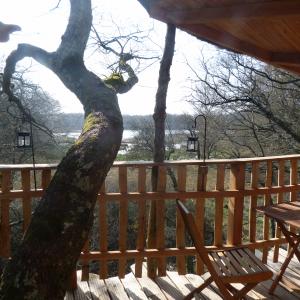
point(222, 193)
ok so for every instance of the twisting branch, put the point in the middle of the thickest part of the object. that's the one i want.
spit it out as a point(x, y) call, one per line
point(24, 50)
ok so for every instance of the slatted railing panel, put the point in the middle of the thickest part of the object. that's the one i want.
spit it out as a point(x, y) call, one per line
point(195, 190)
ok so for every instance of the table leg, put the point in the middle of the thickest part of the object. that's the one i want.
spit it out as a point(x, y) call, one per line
point(294, 245)
point(282, 269)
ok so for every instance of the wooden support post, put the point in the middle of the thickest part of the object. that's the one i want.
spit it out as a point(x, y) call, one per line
point(236, 204)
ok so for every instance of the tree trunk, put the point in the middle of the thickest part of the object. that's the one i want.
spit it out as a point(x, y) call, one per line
point(43, 263)
point(159, 117)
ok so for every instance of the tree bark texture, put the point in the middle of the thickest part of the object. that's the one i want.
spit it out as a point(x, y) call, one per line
point(43, 263)
point(159, 117)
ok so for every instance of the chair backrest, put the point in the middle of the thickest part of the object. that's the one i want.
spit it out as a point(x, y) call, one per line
point(191, 227)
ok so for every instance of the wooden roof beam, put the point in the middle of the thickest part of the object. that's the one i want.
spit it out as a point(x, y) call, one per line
point(226, 40)
point(234, 12)
point(285, 58)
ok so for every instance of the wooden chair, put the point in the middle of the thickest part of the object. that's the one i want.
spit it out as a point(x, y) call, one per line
point(226, 266)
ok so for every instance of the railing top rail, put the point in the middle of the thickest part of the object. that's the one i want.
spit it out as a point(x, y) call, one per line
point(170, 162)
point(27, 166)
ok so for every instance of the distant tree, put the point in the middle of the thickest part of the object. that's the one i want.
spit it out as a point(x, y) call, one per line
point(42, 265)
point(42, 108)
point(257, 104)
point(159, 117)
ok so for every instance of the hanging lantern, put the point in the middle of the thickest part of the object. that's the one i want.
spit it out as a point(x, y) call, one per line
point(192, 144)
point(23, 140)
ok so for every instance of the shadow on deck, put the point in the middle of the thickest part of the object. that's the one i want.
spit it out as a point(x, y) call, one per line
point(174, 286)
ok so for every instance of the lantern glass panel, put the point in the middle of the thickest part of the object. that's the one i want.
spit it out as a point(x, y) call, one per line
point(192, 144)
point(27, 141)
point(21, 141)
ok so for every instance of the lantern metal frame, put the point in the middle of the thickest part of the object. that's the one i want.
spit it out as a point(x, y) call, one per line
point(193, 140)
point(23, 139)
point(28, 145)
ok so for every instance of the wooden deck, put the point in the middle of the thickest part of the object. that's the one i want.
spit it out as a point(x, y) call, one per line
point(174, 286)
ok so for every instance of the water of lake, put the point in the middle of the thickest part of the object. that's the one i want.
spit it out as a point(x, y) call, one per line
point(127, 134)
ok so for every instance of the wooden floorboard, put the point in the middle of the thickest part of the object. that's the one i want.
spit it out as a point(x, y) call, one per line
point(175, 287)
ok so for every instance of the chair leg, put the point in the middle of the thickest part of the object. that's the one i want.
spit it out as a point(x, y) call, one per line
point(206, 283)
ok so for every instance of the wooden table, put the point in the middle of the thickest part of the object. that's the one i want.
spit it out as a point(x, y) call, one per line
point(285, 214)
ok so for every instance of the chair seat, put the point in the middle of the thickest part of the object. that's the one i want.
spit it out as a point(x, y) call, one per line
point(238, 265)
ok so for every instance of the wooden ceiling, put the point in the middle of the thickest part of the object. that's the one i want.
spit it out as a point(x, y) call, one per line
point(266, 29)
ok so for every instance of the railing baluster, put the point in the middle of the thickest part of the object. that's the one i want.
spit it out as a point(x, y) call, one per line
point(85, 262)
point(160, 220)
point(5, 228)
point(293, 182)
point(293, 178)
point(25, 175)
point(236, 204)
point(123, 213)
point(102, 232)
point(253, 203)
point(141, 234)
point(180, 232)
point(218, 235)
point(200, 209)
point(267, 201)
point(46, 178)
point(281, 172)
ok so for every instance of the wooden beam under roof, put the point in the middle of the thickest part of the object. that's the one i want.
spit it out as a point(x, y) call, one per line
point(226, 40)
point(236, 11)
point(285, 58)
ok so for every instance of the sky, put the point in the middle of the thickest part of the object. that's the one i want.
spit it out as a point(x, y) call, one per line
point(43, 25)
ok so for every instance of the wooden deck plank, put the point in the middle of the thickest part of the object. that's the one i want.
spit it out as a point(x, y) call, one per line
point(175, 286)
point(167, 286)
point(149, 287)
point(287, 292)
point(280, 292)
point(180, 282)
point(83, 291)
point(69, 296)
point(133, 288)
point(207, 293)
point(98, 288)
point(115, 289)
